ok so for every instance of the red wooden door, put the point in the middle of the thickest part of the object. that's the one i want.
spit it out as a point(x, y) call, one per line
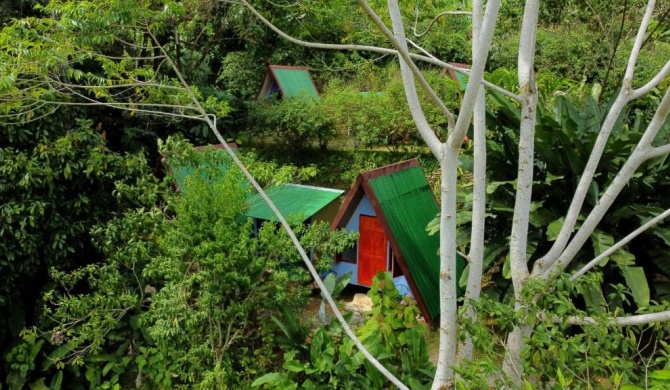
point(371, 249)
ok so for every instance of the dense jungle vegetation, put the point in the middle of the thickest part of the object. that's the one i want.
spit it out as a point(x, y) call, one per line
point(111, 279)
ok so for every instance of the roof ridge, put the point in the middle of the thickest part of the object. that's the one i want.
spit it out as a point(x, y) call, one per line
point(388, 169)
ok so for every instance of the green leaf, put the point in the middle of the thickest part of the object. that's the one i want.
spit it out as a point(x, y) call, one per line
point(663, 234)
point(273, 378)
point(507, 271)
point(293, 366)
point(56, 355)
point(433, 226)
point(593, 296)
point(660, 374)
point(15, 380)
point(329, 282)
point(637, 283)
point(554, 229)
point(623, 258)
point(38, 385)
point(108, 367)
point(492, 252)
point(492, 187)
point(56, 381)
point(91, 376)
point(463, 280)
point(601, 242)
point(463, 216)
point(101, 358)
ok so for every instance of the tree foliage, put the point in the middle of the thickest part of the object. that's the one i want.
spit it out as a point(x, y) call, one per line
point(329, 361)
point(184, 294)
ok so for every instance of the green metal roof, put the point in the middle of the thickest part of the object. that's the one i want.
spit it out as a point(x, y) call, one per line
point(294, 82)
point(458, 77)
point(214, 165)
point(462, 80)
point(292, 200)
point(408, 206)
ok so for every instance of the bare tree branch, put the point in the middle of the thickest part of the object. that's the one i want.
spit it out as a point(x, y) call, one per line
point(476, 74)
point(512, 364)
point(637, 157)
point(634, 320)
point(653, 83)
point(211, 122)
point(435, 19)
point(374, 49)
point(409, 70)
point(649, 224)
point(624, 97)
point(658, 151)
point(477, 235)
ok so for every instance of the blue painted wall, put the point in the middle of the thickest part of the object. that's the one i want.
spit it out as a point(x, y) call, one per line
point(364, 207)
point(342, 268)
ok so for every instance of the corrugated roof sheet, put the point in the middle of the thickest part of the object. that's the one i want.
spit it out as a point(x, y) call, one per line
point(458, 77)
point(292, 200)
point(408, 206)
point(218, 165)
point(295, 82)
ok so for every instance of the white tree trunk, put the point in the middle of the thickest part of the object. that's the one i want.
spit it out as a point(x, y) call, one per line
point(476, 253)
point(518, 240)
point(512, 364)
point(448, 278)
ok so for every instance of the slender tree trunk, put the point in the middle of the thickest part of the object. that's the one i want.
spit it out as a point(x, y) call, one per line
point(476, 253)
point(448, 278)
point(512, 365)
point(519, 237)
point(518, 241)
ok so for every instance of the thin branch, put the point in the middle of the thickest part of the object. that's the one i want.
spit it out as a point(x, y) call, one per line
point(651, 223)
point(432, 22)
point(614, 49)
point(401, 46)
point(624, 97)
point(512, 364)
point(24, 110)
point(32, 119)
point(128, 106)
point(477, 235)
point(485, 83)
point(637, 45)
point(211, 122)
point(660, 24)
point(127, 86)
point(124, 106)
point(476, 74)
point(658, 151)
point(374, 49)
point(653, 83)
point(528, 85)
point(637, 157)
point(634, 320)
point(409, 71)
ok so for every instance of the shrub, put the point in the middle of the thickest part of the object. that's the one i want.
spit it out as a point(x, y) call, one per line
point(292, 124)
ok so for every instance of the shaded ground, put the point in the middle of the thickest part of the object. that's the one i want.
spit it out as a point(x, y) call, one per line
point(310, 315)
